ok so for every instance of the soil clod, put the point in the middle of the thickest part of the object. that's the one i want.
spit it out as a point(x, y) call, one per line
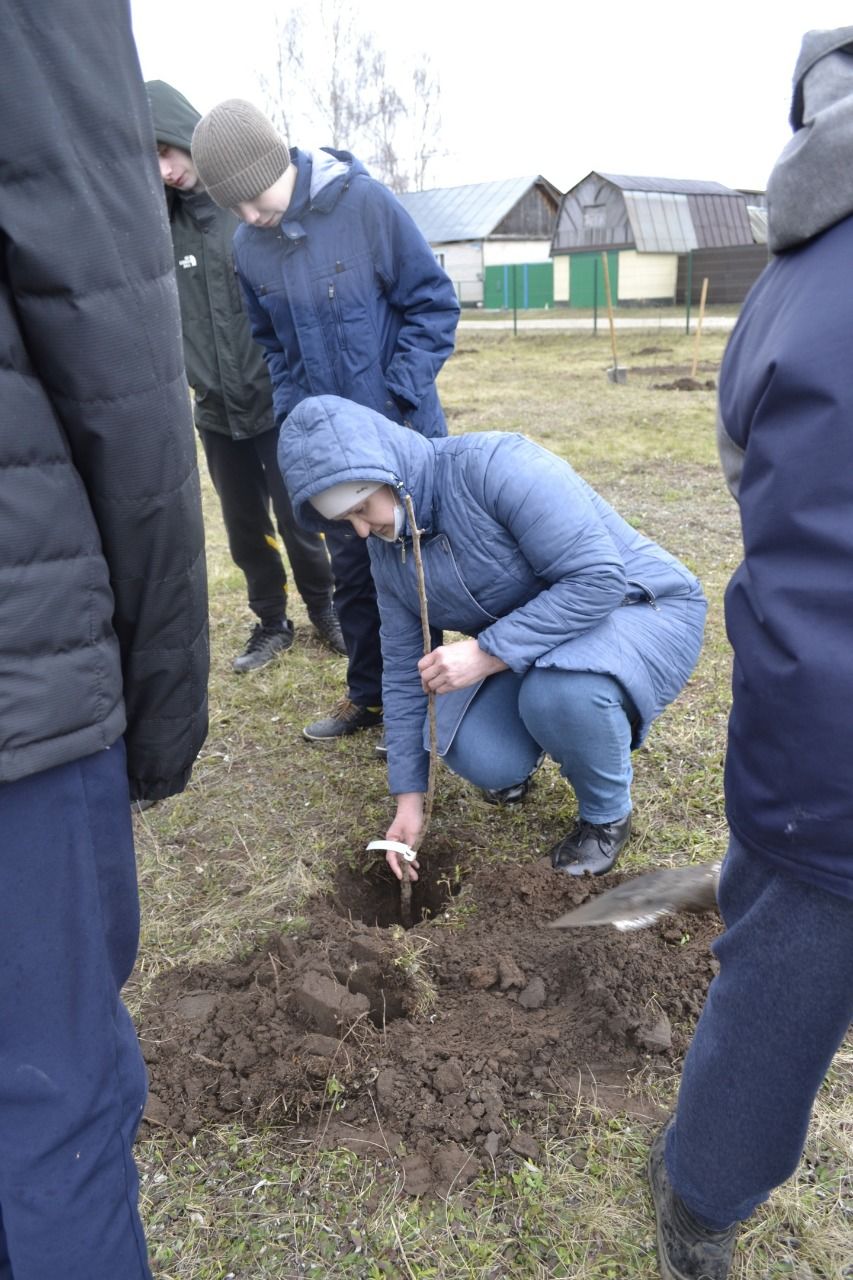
point(456, 1037)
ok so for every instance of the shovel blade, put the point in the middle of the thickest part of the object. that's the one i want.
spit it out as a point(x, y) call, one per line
point(640, 902)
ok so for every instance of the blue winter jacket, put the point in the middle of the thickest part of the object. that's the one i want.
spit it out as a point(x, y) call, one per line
point(346, 297)
point(786, 404)
point(517, 550)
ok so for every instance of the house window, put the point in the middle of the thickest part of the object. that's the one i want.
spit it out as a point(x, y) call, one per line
point(594, 217)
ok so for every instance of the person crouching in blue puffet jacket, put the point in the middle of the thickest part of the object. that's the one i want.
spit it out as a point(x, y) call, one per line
point(581, 630)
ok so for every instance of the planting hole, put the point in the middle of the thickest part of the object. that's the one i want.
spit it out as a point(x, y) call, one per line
point(372, 895)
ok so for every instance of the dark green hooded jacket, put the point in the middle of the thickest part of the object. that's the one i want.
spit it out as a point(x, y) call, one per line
point(225, 366)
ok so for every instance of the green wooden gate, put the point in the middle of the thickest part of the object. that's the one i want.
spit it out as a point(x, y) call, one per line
point(524, 285)
point(586, 279)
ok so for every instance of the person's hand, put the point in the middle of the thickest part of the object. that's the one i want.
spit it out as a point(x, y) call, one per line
point(456, 665)
point(406, 827)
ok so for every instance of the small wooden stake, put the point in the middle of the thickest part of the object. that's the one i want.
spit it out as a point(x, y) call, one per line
point(702, 298)
point(406, 882)
point(609, 298)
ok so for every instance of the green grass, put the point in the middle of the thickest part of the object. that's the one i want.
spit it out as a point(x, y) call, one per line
point(268, 818)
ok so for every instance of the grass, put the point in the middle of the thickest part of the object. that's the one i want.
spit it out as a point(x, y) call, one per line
point(267, 820)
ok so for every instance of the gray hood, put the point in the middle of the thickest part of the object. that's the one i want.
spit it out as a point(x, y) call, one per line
point(811, 186)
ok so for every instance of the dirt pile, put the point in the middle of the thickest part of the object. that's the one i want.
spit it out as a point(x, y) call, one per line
point(685, 384)
point(442, 1046)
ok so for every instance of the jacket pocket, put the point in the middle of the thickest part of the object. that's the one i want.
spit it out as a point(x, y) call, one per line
point(456, 608)
point(335, 310)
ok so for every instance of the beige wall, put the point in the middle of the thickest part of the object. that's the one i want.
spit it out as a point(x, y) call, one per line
point(641, 276)
point(646, 275)
point(561, 278)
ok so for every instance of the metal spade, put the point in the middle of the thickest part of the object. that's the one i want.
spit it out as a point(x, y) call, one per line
point(646, 898)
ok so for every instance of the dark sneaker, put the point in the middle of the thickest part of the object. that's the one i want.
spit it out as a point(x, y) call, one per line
point(686, 1249)
point(326, 624)
point(514, 794)
point(591, 847)
point(265, 643)
point(346, 718)
point(506, 795)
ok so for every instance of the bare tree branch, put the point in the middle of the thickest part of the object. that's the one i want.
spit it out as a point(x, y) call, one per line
point(330, 73)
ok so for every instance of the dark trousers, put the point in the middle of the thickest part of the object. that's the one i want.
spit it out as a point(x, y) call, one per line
point(246, 477)
point(72, 1079)
point(775, 1015)
point(355, 605)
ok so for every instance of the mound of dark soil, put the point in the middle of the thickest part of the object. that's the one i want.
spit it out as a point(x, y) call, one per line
point(442, 1046)
point(685, 384)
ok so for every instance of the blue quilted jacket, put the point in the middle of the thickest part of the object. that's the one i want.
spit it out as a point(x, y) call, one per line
point(518, 551)
point(346, 297)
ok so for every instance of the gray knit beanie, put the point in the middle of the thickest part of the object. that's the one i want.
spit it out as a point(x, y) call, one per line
point(237, 152)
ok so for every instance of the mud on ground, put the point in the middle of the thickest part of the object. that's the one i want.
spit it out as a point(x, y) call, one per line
point(442, 1047)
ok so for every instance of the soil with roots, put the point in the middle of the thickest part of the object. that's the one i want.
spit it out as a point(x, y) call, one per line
point(443, 1047)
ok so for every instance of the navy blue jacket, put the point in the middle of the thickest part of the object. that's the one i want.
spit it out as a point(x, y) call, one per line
point(518, 551)
point(346, 297)
point(786, 404)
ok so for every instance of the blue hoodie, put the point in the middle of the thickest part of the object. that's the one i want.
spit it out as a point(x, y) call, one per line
point(518, 551)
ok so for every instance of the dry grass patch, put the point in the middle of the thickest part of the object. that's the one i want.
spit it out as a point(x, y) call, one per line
point(269, 820)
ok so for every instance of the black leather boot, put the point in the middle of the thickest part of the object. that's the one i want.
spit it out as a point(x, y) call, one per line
point(591, 847)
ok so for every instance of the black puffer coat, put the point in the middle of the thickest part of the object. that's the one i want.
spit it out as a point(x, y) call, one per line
point(103, 602)
point(225, 366)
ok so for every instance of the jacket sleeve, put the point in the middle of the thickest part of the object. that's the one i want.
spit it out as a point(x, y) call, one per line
point(403, 698)
point(549, 513)
point(89, 261)
point(264, 334)
point(786, 401)
point(415, 286)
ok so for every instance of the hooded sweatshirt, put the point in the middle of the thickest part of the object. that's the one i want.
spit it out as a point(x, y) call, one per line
point(786, 433)
point(225, 367)
point(811, 186)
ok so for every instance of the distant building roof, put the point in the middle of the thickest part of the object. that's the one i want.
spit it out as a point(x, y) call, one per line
point(471, 212)
point(654, 215)
point(674, 186)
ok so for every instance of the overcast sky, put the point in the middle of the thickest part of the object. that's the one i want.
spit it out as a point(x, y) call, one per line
point(674, 90)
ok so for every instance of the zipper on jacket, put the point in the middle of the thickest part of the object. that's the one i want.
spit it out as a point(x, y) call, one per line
point(336, 315)
point(651, 598)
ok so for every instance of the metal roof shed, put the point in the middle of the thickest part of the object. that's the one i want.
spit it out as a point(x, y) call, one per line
point(480, 230)
point(652, 215)
point(484, 209)
point(646, 225)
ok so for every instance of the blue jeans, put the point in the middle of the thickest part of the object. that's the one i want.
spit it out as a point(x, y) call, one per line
point(581, 719)
point(72, 1079)
point(775, 1015)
